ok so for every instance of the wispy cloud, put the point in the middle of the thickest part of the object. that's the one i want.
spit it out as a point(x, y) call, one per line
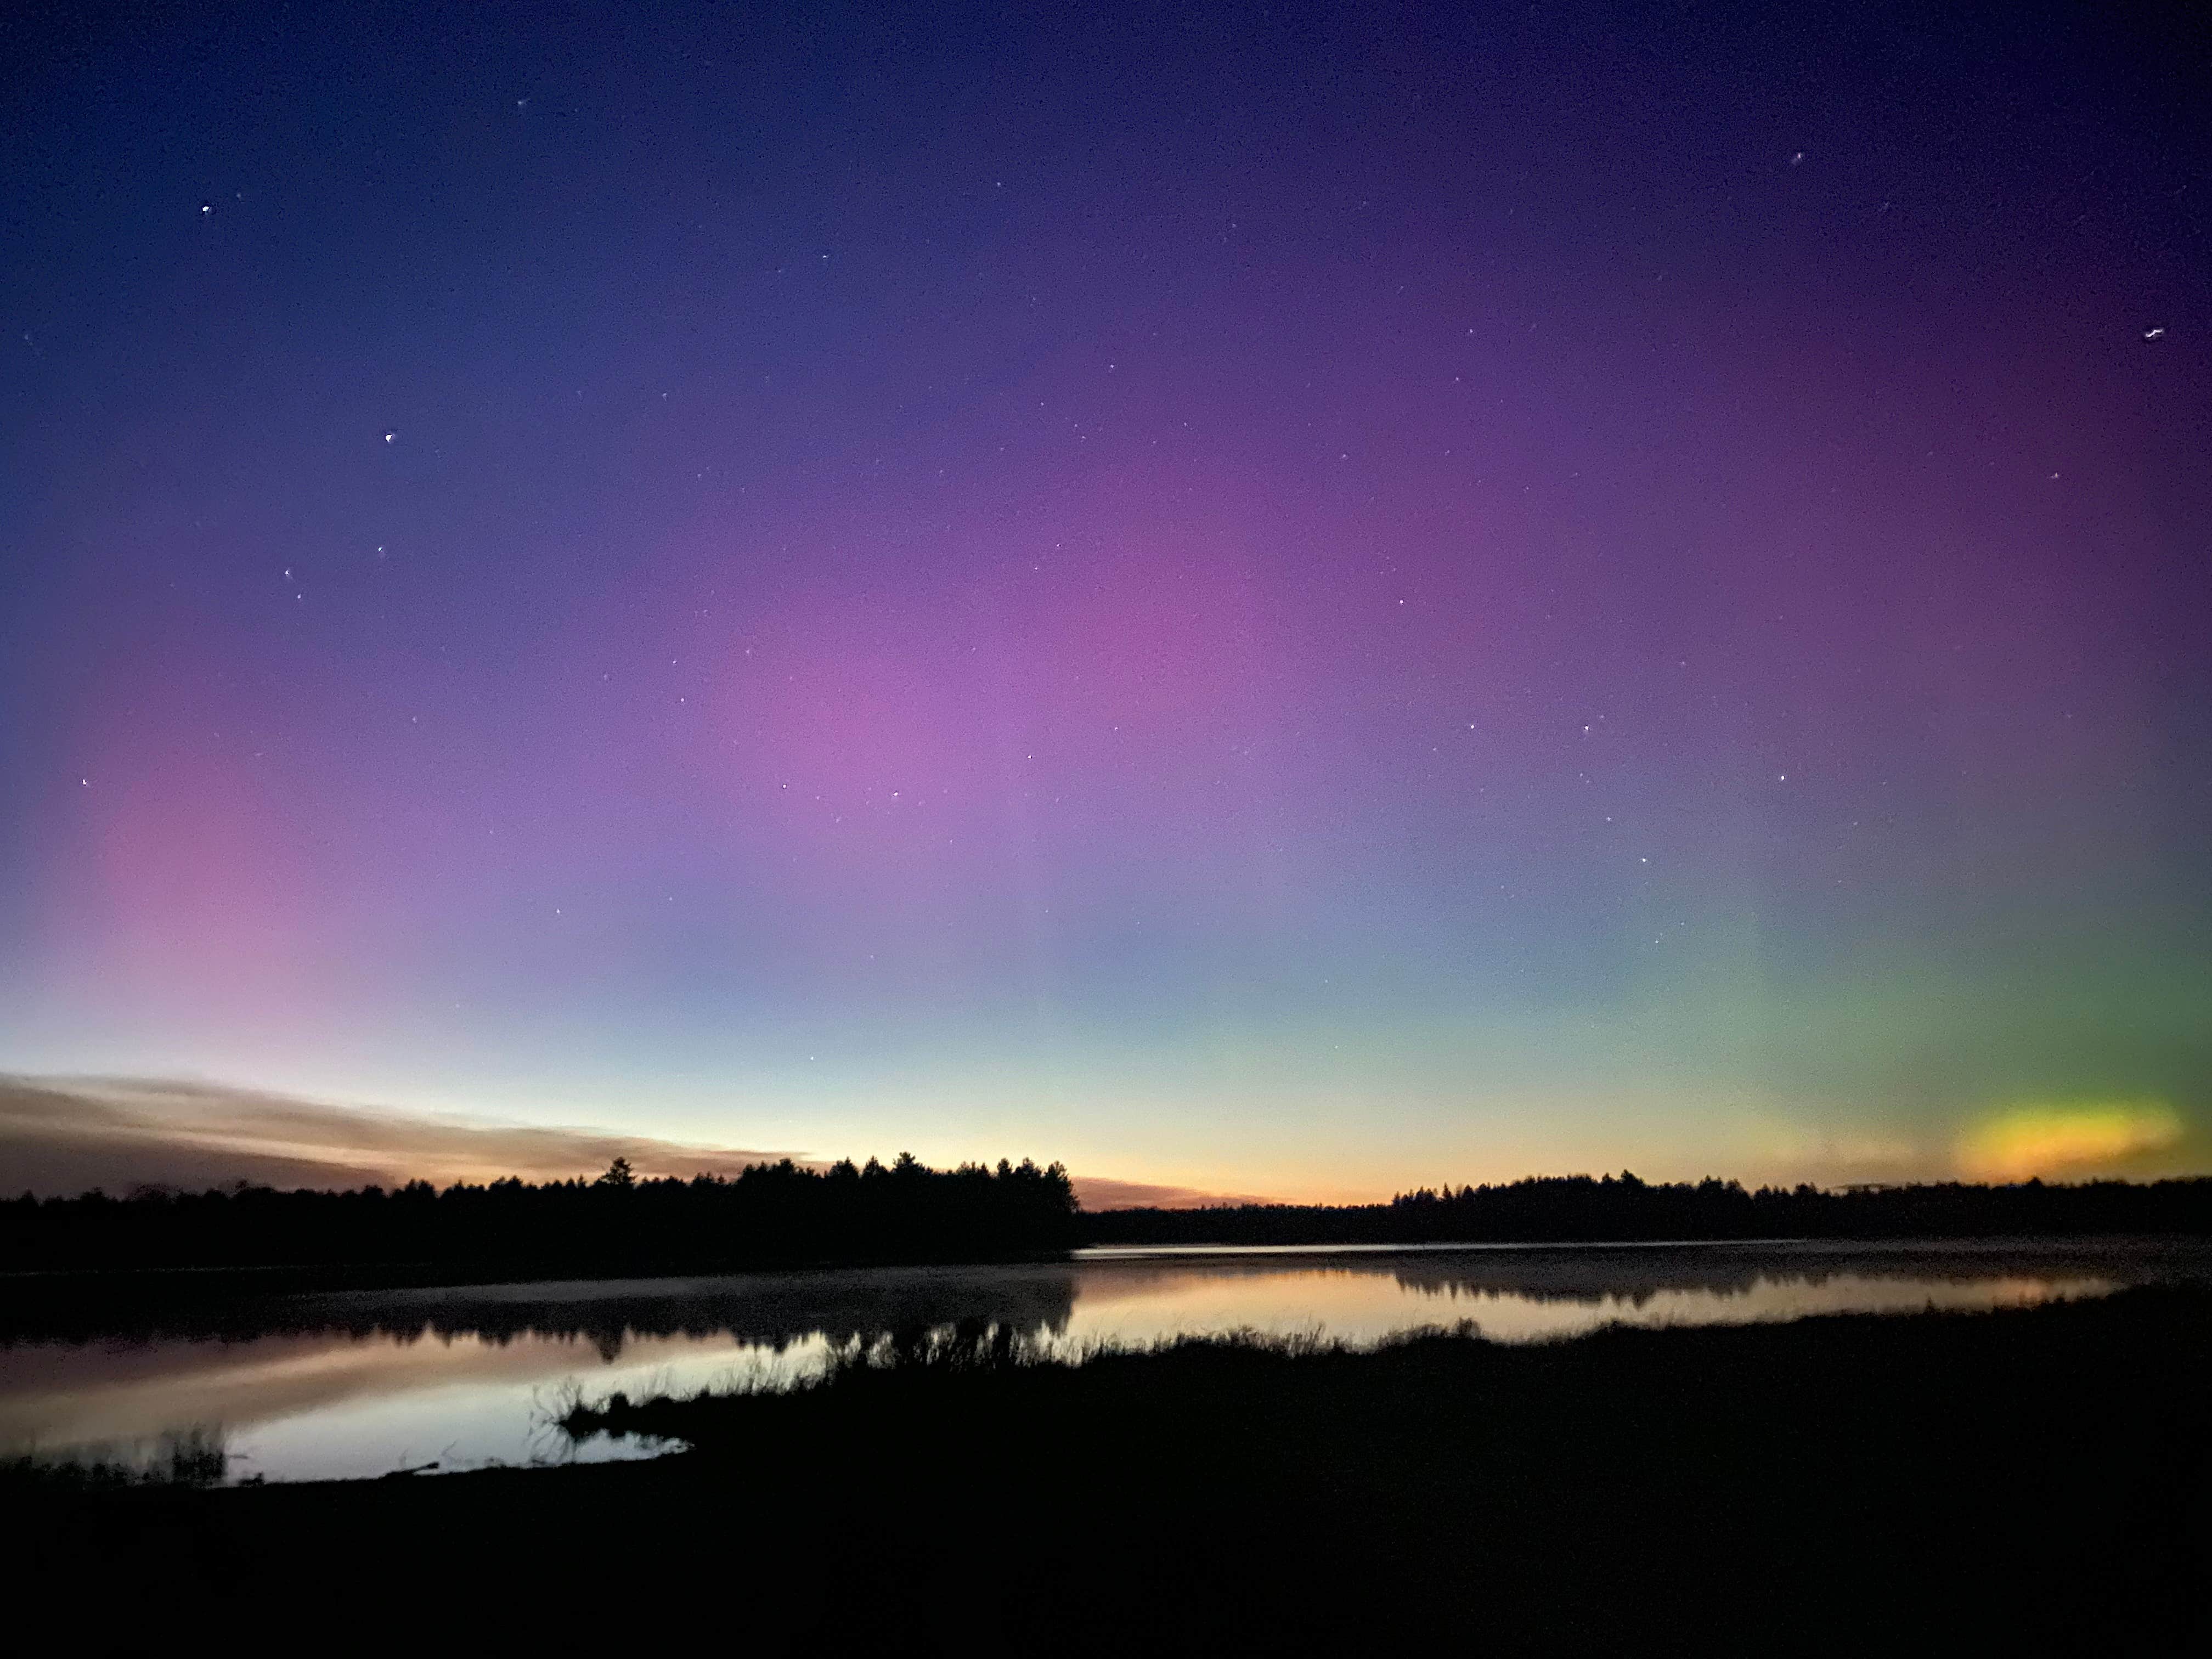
point(69, 1135)
point(62, 1135)
point(1102, 1192)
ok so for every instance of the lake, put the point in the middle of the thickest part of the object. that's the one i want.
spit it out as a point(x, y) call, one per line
point(362, 1382)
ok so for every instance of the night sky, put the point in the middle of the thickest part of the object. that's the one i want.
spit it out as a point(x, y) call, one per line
point(1295, 603)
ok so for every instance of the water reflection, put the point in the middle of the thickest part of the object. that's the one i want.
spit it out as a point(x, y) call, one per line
point(363, 1382)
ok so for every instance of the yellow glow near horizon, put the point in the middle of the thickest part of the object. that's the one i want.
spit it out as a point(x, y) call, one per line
point(2052, 1138)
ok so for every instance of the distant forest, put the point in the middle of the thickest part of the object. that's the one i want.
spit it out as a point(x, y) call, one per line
point(1553, 1209)
point(784, 1213)
point(770, 1214)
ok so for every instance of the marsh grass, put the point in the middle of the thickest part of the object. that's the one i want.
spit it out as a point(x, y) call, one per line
point(188, 1457)
point(969, 1352)
point(2027, 1480)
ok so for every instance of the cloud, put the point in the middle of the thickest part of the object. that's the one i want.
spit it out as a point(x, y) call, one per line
point(1102, 1192)
point(63, 1135)
point(60, 1135)
point(2067, 1138)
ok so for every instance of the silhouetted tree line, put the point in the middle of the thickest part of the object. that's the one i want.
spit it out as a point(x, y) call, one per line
point(1547, 1209)
point(769, 1213)
point(784, 1213)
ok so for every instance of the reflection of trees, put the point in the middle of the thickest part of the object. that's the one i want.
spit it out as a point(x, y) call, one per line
point(1636, 1274)
point(195, 1456)
point(1637, 1277)
point(776, 1310)
point(770, 1310)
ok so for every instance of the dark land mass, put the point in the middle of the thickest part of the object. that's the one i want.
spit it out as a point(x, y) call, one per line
point(109, 1258)
point(1609, 1208)
point(771, 1214)
point(2030, 1481)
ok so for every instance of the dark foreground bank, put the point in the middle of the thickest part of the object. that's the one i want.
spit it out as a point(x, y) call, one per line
point(2037, 1480)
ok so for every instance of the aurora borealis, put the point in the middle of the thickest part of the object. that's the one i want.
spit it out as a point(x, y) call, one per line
point(1294, 604)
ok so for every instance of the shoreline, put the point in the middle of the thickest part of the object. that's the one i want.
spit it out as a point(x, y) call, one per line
point(2036, 1473)
point(132, 1287)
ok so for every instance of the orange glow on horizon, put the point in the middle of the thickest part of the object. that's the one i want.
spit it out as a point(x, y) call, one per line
point(2026, 1140)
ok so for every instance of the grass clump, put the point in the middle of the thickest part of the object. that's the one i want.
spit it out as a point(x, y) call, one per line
point(189, 1458)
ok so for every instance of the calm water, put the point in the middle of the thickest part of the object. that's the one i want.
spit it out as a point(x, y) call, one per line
point(362, 1382)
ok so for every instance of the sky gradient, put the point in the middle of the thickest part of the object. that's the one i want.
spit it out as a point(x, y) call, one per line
point(1301, 604)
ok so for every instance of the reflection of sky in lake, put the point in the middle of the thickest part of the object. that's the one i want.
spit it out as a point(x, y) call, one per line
point(1347, 1305)
point(363, 1382)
